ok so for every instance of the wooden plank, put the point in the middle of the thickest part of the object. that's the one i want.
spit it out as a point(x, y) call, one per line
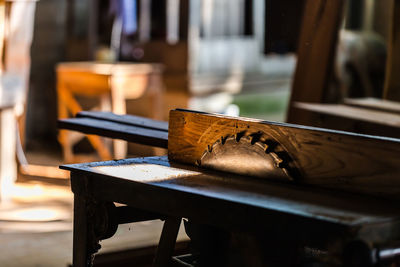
point(334, 159)
point(116, 130)
point(392, 79)
point(234, 202)
point(352, 119)
point(126, 119)
point(375, 104)
point(316, 52)
point(355, 113)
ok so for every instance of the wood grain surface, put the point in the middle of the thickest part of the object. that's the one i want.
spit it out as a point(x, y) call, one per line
point(334, 159)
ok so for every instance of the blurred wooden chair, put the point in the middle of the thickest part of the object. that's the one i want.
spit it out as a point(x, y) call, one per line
point(322, 20)
point(112, 84)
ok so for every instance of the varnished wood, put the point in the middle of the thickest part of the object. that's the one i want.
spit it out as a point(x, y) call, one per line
point(334, 159)
point(316, 52)
point(392, 79)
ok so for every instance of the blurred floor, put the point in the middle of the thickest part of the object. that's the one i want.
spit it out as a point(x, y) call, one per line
point(36, 228)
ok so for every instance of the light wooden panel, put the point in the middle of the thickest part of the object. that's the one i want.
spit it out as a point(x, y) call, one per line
point(348, 161)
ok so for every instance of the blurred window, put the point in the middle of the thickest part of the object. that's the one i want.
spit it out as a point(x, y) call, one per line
point(226, 18)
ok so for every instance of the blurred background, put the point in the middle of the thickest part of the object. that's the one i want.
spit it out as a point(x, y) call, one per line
point(143, 57)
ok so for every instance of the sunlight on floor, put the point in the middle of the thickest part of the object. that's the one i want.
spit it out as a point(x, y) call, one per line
point(35, 214)
point(37, 192)
point(35, 207)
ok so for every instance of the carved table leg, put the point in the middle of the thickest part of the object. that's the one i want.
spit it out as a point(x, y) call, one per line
point(93, 221)
point(167, 242)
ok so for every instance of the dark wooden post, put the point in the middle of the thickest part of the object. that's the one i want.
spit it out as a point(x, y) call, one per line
point(80, 238)
point(392, 81)
point(316, 52)
point(167, 242)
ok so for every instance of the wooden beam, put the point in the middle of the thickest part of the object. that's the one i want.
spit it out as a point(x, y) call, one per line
point(392, 79)
point(316, 52)
point(131, 120)
point(116, 130)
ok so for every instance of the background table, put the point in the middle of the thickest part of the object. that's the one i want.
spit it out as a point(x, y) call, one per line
point(111, 84)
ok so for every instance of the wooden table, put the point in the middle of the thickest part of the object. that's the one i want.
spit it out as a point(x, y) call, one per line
point(336, 210)
point(112, 85)
point(154, 187)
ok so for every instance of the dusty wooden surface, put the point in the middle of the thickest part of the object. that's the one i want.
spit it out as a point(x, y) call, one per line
point(316, 52)
point(235, 202)
point(333, 159)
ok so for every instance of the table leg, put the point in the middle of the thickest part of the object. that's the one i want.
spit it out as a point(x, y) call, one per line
point(167, 242)
point(82, 254)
